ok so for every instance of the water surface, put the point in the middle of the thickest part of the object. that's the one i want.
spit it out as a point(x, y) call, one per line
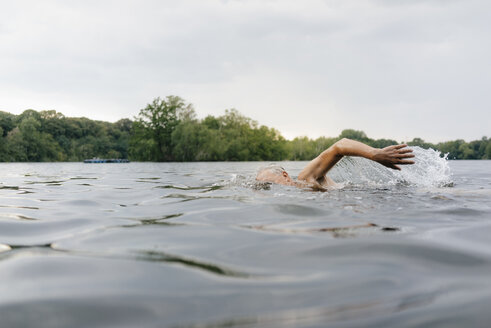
point(203, 245)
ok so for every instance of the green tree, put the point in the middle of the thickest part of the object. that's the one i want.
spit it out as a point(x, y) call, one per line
point(28, 143)
point(421, 143)
point(301, 149)
point(465, 151)
point(488, 151)
point(382, 143)
point(189, 141)
point(353, 134)
point(7, 123)
point(156, 122)
point(452, 148)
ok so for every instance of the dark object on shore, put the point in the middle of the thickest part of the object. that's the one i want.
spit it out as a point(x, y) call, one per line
point(104, 160)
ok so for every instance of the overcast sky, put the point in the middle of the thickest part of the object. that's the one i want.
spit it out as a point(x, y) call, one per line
point(393, 68)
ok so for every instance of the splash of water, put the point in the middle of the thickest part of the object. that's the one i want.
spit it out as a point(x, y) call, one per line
point(248, 182)
point(429, 170)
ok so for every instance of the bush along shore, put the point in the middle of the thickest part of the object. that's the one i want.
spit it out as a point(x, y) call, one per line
point(167, 129)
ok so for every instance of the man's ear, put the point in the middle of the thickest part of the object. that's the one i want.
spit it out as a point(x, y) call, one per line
point(285, 174)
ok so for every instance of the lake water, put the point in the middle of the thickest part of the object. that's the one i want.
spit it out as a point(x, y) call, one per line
point(203, 245)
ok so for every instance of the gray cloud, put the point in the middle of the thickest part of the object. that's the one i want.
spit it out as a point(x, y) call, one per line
point(395, 69)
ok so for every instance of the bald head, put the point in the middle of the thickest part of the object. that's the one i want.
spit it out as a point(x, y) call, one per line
point(275, 174)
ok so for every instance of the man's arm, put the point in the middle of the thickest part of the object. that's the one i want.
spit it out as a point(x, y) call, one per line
point(389, 156)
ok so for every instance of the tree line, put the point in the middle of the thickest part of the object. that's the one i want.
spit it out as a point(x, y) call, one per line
point(167, 129)
point(50, 136)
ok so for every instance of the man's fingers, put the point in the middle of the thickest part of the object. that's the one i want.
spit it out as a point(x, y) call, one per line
point(397, 154)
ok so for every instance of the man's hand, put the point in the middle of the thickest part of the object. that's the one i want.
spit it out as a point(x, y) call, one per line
point(392, 155)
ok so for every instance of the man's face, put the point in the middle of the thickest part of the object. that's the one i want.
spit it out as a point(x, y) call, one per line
point(270, 176)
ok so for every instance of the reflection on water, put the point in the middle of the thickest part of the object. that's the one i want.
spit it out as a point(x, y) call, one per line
point(204, 245)
point(336, 232)
point(155, 256)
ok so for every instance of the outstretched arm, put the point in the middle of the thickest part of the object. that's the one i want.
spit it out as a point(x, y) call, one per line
point(389, 156)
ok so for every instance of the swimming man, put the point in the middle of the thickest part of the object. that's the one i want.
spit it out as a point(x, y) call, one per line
point(314, 174)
